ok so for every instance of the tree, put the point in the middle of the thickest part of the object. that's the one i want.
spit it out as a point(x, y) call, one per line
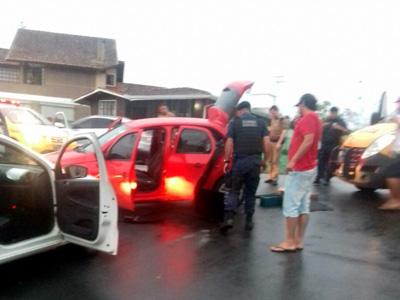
point(323, 108)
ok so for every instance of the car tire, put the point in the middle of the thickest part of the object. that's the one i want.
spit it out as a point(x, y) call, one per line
point(365, 189)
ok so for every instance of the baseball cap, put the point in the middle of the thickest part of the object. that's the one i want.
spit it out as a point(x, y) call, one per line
point(309, 101)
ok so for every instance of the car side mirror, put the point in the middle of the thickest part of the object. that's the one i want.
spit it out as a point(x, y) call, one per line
point(75, 171)
point(59, 125)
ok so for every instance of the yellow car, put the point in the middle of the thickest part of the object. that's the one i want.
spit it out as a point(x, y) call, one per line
point(364, 156)
point(30, 128)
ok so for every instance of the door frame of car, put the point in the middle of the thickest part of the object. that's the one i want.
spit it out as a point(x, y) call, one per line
point(55, 237)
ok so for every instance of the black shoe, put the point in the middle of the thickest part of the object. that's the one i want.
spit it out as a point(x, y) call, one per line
point(249, 223)
point(325, 182)
point(316, 182)
point(268, 180)
point(226, 226)
point(274, 182)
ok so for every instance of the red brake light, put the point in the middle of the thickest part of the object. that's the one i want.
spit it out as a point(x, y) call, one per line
point(9, 101)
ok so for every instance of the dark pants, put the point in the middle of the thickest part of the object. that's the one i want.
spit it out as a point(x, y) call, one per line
point(245, 172)
point(324, 169)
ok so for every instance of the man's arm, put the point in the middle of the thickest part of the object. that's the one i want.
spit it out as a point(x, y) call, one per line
point(304, 147)
point(228, 149)
point(340, 126)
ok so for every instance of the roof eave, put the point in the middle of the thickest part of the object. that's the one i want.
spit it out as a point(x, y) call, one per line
point(14, 60)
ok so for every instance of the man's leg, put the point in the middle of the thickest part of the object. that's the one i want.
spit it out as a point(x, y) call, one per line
point(251, 181)
point(323, 163)
point(329, 171)
point(394, 199)
point(321, 170)
point(232, 198)
point(301, 229)
point(291, 203)
point(268, 169)
point(305, 179)
point(275, 164)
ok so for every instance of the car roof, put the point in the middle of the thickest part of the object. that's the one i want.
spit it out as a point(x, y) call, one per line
point(113, 118)
point(174, 121)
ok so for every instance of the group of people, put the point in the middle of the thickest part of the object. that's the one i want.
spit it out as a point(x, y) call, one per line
point(249, 138)
point(333, 129)
point(253, 146)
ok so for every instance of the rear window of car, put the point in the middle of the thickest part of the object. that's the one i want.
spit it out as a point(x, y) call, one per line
point(93, 123)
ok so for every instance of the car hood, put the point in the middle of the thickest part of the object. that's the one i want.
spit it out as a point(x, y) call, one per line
point(364, 137)
point(72, 157)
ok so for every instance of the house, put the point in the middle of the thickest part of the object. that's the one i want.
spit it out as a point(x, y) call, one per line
point(42, 68)
point(63, 66)
point(137, 101)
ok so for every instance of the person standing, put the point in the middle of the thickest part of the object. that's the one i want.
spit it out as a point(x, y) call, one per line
point(247, 139)
point(301, 169)
point(333, 129)
point(164, 112)
point(277, 133)
point(393, 172)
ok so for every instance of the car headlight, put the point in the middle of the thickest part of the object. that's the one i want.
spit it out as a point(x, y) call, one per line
point(378, 145)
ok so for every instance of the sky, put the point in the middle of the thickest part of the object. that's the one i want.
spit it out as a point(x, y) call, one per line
point(345, 52)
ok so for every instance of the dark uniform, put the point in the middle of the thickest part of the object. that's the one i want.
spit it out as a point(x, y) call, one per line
point(247, 133)
point(330, 140)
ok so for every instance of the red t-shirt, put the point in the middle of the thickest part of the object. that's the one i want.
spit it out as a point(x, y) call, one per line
point(309, 123)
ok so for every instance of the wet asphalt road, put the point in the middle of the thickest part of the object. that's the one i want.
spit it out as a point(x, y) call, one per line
point(352, 252)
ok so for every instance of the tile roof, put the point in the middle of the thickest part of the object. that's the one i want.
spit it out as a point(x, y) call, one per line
point(3, 55)
point(131, 89)
point(63, 49)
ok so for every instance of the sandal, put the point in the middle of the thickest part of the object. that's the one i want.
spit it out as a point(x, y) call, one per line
point(280, 249)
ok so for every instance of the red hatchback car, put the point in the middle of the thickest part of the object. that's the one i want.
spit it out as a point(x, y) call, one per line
point(165, 159)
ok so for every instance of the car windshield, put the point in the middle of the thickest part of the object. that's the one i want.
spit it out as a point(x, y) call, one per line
point(23, 116)
point(109, 135)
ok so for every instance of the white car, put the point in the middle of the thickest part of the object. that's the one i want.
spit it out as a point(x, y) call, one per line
point(44, 206)
point(92, 124)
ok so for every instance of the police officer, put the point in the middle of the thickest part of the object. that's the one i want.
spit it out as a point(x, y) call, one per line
point(247, 139)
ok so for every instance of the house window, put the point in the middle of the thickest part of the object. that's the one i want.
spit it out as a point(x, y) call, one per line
point(33, 74)
point(107, 107)
point(110, 79)
point(9, 74)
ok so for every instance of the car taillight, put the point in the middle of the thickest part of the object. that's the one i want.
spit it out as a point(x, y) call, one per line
point(9, 101)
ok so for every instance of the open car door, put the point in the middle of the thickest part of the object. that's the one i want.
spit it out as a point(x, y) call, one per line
point(193, 149)
point(87, 212)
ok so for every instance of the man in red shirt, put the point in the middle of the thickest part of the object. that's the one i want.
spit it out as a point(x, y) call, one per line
point(303, 152)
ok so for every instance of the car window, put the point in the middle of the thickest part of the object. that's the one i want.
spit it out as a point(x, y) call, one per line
point(194, 141)
point(109, 135)
point(83, 124)
point(24, 116)
point(122, 149)
point(101, 123)
point(9, 155)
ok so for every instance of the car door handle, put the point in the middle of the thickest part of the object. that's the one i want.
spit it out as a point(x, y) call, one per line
point(197, 165)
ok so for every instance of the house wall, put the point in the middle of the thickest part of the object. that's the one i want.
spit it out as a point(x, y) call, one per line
point(61, 82)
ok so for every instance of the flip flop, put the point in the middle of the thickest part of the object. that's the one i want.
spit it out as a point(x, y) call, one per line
point(279, 249)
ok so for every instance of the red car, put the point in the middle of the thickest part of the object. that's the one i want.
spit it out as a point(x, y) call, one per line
point(165, 159)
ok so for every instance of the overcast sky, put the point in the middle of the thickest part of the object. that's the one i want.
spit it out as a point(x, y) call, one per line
point(339, 50)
